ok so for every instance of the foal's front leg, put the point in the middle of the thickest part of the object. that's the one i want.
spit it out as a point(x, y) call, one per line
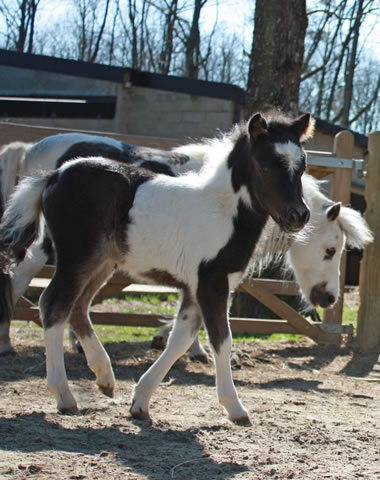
point(213, 299)
point(183, 334)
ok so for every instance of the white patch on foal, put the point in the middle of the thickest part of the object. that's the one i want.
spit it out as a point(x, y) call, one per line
point(291, 153)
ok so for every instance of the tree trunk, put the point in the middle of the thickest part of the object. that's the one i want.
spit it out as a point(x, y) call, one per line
point(351, 65)
point(193, 42)
point(277, 55)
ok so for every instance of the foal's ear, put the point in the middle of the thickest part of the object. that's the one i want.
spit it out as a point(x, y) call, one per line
point(304, 127)
point(257, 126)
point(333, 211)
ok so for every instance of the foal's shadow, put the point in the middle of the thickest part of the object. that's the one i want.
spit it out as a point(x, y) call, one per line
point(296, 384)
point(181, 454)
point(362, 364)
point(315, 356)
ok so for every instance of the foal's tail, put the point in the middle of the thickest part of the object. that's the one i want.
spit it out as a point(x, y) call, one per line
point(20, 225)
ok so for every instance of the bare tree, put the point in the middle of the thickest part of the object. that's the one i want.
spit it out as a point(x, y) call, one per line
point(193, 41)
point(277, 55)
point(19, 18)
point(351, 61)
point(171, 16)
point(334, 54)
point(90, 25)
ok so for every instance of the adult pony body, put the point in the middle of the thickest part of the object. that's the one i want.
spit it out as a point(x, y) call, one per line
point(197, 232)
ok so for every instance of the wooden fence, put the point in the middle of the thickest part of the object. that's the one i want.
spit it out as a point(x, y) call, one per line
point(369, 312)
point(338, 163)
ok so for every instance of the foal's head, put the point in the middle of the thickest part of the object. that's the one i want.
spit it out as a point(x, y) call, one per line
point(275, 164)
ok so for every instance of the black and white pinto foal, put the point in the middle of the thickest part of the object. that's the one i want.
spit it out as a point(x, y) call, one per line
point(197, 232)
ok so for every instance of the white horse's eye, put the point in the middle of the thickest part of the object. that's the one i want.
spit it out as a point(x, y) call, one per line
point(329, 253)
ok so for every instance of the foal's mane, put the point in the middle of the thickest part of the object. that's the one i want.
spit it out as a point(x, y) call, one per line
point(210, 151)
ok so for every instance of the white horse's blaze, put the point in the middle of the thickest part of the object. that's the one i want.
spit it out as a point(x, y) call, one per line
point(291, 154)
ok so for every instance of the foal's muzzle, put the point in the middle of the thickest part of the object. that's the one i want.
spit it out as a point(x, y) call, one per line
point(320, 296)
point(295, 219)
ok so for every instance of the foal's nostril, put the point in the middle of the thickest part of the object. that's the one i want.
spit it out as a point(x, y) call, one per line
point(305, 217)
point(293, 216)
point(331, 299)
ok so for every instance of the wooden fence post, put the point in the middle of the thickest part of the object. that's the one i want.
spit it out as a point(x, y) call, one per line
point(369, 311)
point(341, 191)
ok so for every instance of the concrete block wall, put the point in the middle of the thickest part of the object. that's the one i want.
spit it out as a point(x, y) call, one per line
point(145, 111)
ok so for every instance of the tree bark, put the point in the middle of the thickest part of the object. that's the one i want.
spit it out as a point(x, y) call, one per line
point(277, 55)
point(193, 42)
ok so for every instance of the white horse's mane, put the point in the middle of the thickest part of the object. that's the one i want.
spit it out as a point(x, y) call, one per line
point(356, 229)
point(351, 222)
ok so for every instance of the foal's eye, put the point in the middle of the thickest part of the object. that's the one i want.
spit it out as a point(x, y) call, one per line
point(329, 253)
point(265, 169)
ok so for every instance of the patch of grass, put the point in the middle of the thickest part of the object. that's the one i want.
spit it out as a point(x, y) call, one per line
point(274, 337)
point(112, 333)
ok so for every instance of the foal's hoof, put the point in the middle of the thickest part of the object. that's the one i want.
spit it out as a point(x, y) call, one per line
point(242, 421)
point(107, 391)
point(139, 414)
point(69, 411)
point(143, 416)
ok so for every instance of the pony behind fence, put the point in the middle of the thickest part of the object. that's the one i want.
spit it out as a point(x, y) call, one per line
point(197, 232)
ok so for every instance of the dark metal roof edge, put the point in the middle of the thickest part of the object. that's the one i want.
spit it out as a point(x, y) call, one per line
point(118, 74)
point(187, 85)
point(60, 65)
point(333, 128)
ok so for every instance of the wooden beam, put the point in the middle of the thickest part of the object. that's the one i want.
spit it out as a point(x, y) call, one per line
point(341, 191)
point(283, 310)
point(369, 311)
point(11, 132)
point(278, 287)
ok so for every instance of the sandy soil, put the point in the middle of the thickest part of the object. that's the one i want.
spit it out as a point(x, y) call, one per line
point(315, 413)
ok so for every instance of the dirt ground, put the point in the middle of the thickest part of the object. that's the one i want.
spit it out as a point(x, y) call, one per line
point(315, 413)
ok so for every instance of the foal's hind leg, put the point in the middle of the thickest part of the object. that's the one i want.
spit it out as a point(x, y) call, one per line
point(183, 334)
point(97, 358)
point(55, 306)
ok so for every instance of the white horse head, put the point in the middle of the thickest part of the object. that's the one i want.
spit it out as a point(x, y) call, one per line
point(316, 253)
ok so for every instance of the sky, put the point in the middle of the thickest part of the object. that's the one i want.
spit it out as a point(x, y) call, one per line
point(237, 15)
